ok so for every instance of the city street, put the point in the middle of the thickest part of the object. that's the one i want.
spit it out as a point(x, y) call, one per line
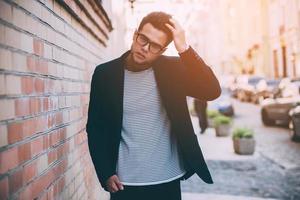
point(273, 172)
point(88, 88)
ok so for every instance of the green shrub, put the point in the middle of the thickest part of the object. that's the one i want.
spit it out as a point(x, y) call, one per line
point(212, 113)
point(221, 119)
point(242, 133)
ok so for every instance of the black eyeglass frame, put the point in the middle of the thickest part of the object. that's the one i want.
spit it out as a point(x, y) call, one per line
point(148, 41)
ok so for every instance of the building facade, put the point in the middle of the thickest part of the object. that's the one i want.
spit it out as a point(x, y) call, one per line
point(262, 37)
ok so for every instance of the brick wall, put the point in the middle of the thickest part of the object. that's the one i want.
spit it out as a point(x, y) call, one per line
point(48, 51)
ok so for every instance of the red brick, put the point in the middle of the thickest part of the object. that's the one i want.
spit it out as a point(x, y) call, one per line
point(24, 152)
point(58, 118)
point(4, 188)
point(13, 85)
point(29, 127)
point(2, 85)
point(5, 11)
point(46, 142)
point(15, 132)
point(49, 85)
point(39, 85)
point(38, 47)
point(31, 63)
point(8, 160)
point(41, 183)
point(60, 168)
point(42, 66)
point(27, 85)
point(54, 138)
point(61, 184)
point(36, 146)
point(8, 109)
point(3, 135)
point(52, 69)
point(29, 172)
point(60, 150)
point(62, 133)
point(15, 181)
point(51, 121)
point(22, 107)
point(26, 193)
point(41, 124)
point(46, 104)
point(63, 150)
point(35, 105)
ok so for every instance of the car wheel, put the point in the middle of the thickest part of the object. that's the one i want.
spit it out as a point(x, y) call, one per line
point(266, 120)
point(294, 135)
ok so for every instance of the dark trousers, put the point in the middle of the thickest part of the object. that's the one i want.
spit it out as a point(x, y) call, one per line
point(164, 191)
point(200, 108)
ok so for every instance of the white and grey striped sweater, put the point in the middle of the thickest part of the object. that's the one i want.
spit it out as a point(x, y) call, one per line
point(148, 153)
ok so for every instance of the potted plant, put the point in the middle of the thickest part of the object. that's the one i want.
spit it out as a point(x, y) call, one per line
point(243, 141)
point(222, 125)
point(211, 114)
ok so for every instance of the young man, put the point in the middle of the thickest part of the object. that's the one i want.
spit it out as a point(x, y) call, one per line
point(140, 135)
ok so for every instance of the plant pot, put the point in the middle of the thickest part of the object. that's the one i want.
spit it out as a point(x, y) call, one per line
point(223, 130)
point(244, 146)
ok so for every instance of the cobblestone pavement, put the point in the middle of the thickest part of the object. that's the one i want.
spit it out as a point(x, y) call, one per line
point(272, 172)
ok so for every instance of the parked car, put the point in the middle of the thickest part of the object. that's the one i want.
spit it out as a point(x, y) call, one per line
point(235, 84)
point(294, 124)
point(276, 111)
point(287, 88)
point(265, 88)
point(246, 90)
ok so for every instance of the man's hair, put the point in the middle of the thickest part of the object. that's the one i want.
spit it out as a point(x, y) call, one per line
point(158, 20)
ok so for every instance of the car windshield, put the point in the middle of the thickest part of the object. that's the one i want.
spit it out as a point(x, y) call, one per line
point(254, 80)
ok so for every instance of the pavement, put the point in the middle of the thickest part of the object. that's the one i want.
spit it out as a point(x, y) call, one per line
point(273, 172)
point(193, 196)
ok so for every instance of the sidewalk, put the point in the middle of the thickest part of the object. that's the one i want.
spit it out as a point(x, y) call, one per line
point(273, 172)
point(195, 196)
point(219, 148)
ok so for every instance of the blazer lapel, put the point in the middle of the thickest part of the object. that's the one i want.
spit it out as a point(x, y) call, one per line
point(163, 83)
point(117, 91)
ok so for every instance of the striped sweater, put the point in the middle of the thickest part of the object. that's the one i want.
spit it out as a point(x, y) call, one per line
point(148, 153)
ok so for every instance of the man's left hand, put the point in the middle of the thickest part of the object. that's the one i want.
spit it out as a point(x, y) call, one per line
point(178, 35)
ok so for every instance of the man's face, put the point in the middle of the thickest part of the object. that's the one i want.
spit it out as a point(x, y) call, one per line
point(148, 44)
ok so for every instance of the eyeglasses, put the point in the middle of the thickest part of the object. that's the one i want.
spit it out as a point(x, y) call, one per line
point(153, 47)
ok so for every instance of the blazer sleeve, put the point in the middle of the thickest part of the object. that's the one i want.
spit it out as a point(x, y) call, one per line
point(97, 134)
point(199, 80)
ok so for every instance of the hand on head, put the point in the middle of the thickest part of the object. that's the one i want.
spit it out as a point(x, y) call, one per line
point(178, 35)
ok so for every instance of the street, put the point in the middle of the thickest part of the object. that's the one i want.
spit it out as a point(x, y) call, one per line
point(273, 172)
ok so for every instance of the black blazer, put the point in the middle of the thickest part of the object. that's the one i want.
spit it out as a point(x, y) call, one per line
point(176, 77)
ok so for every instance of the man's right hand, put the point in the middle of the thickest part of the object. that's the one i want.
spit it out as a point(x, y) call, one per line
point(113, 184)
